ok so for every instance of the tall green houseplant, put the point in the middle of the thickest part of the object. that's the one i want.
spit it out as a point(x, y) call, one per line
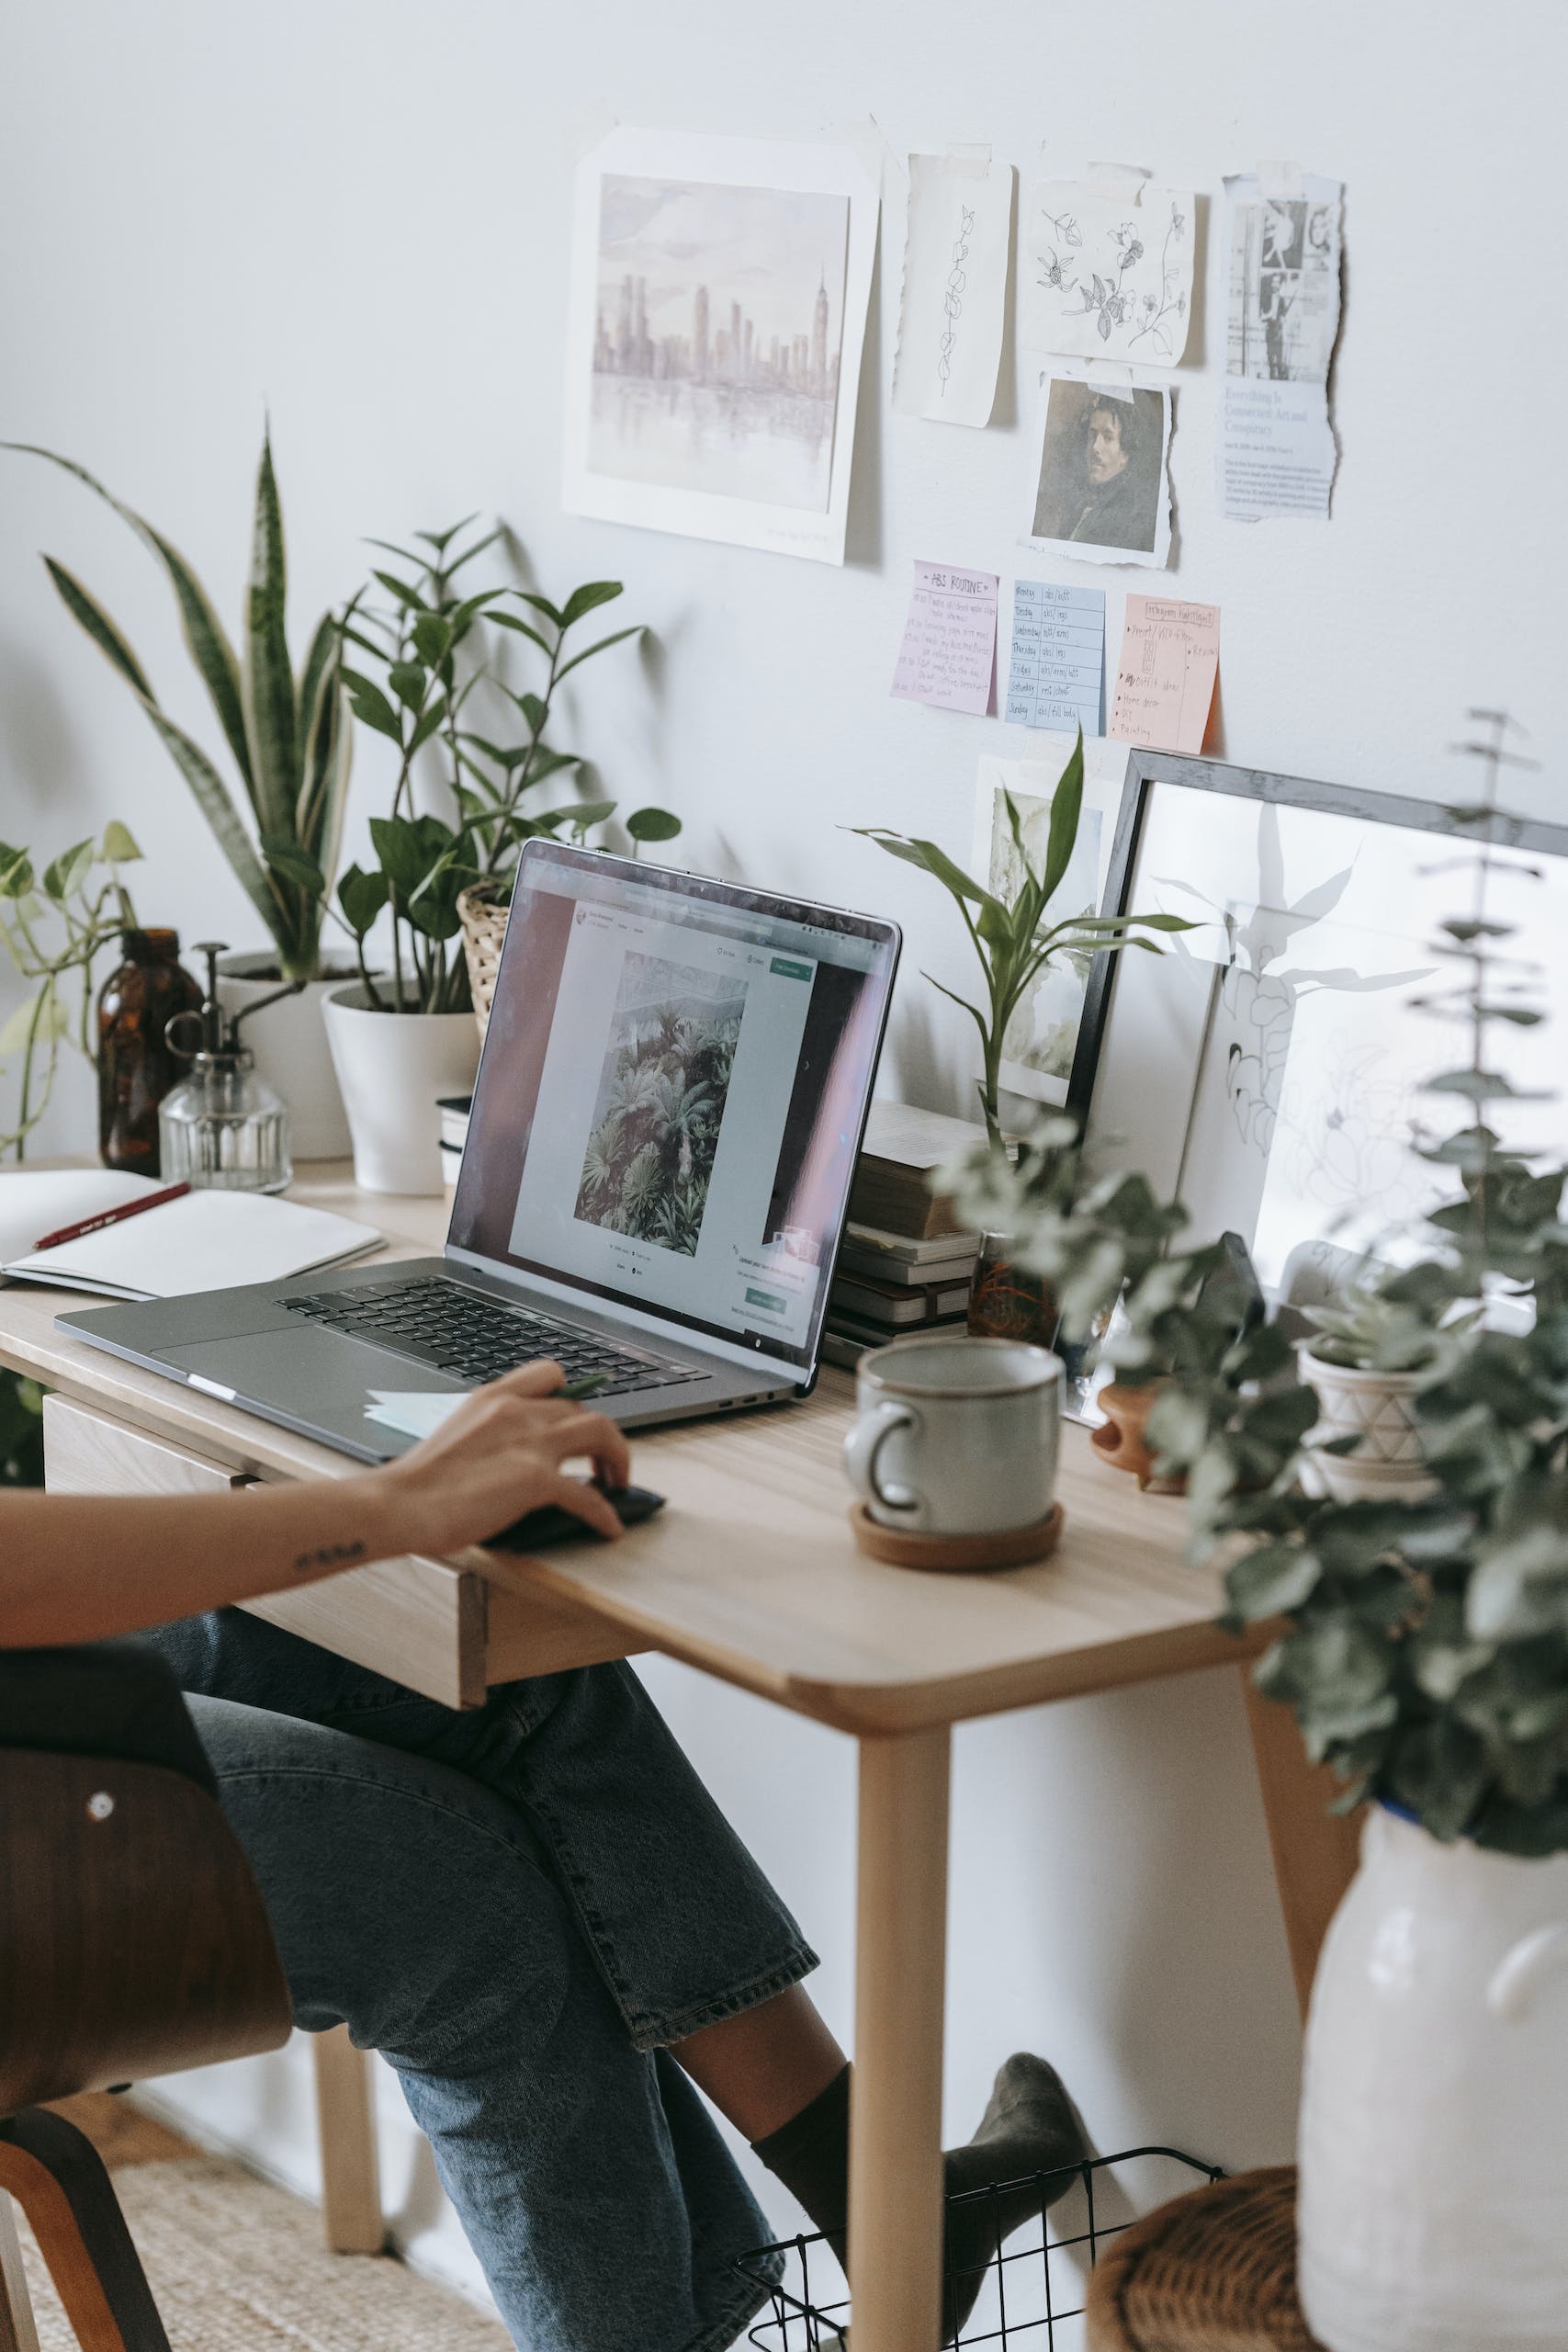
point(288, 737)
point(1015, 938)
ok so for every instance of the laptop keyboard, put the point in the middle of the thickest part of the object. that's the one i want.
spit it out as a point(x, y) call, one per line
point(469, 1335)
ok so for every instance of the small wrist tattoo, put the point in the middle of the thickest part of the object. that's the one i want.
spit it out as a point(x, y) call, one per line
point(331, 1555)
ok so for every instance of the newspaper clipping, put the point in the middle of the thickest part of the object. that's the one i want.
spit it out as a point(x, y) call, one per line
point(1277, 453)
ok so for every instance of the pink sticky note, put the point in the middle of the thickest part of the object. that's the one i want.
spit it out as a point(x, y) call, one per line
point(949, 653)
point(1164, 678)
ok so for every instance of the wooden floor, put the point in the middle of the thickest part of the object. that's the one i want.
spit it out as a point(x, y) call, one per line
point(121, 2134)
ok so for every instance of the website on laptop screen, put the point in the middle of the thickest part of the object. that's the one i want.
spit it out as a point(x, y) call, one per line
point(675, 1083)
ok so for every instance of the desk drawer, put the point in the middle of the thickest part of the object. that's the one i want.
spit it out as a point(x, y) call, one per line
point(418, 1621)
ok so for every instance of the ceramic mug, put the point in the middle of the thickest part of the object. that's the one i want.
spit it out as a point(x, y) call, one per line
point(956, 1436)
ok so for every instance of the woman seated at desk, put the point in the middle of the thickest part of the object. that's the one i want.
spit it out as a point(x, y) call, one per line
point(533, 1909)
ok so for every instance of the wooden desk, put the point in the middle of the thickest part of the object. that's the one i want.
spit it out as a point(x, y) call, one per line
point(750, 1575)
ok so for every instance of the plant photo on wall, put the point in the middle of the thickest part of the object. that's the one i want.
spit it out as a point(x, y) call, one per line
point(660, 1102)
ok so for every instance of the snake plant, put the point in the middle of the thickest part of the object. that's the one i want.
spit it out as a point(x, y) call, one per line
point(290, 738)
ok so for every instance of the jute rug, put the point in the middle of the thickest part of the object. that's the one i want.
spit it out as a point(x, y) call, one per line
point(237, 2266)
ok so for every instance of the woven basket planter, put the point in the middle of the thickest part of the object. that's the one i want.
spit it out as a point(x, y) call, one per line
point(484, 928)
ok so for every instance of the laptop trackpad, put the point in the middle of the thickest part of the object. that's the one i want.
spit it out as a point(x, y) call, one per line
point(320, 1378)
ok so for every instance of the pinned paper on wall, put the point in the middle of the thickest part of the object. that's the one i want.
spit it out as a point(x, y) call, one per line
point(1166, 674)
point(949, 654)
point(1106, 273)
point(1100, 489)
point(718, 315)
point(1057, 675)
point(954, 302)
point(1276, 454)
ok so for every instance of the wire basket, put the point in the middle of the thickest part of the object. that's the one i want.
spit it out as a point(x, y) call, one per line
point(1030, 2291)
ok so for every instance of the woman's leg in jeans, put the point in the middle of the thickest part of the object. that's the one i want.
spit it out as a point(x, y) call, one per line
point(684, 1927)
point(420, 1909)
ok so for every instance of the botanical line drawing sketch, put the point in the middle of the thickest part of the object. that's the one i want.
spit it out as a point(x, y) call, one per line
point(1110, 277)
point(953, 301)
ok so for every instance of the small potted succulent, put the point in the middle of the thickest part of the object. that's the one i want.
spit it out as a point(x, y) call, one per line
point(1370, 1357)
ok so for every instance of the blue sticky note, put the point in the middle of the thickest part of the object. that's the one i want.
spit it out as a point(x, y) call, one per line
point(1056, 676)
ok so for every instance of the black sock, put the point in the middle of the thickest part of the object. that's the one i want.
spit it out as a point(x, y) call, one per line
point(810, 2154)
point(1029, 2128)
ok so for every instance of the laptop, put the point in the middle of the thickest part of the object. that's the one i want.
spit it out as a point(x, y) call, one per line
point(673, 1094)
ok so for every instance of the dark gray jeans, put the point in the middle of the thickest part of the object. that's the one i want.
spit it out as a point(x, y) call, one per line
point(519, 1906)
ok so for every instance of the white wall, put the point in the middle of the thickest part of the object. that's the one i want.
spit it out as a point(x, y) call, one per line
point(354, 211)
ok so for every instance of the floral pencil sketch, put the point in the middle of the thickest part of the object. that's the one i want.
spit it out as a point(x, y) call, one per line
point(1103, 285)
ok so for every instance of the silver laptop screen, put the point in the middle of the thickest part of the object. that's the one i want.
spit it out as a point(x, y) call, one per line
point(673, 1090)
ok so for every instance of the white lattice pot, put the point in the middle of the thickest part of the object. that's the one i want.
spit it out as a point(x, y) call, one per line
point(1433, 2198)
point(1378, 1409)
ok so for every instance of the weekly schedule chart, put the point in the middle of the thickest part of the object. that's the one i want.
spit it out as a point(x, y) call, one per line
point(1057, 675)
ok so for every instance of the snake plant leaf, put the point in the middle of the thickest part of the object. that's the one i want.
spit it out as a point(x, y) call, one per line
point(285, 856)
point(267, 679)
point(92, 616)
point(205, 635)
point(212, 797)
point(317, 680)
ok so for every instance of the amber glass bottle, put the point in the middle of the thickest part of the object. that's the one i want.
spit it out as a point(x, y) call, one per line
point(136, 1068)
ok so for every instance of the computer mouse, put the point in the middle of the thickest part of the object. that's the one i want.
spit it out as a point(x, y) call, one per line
point(554, 1525)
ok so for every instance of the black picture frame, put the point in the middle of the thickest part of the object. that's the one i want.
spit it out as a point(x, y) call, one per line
point(1146, 769)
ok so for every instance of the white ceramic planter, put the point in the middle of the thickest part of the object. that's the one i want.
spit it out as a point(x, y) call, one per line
point(289, 1042)
point(393, 1069)
point(1433, 2210)
point(1379, 1408)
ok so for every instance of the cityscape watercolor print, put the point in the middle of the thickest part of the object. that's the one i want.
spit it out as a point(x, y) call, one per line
point(719, 297)
point(717, 338)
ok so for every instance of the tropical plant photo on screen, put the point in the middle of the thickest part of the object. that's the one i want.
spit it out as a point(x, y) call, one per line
point(660, 1102)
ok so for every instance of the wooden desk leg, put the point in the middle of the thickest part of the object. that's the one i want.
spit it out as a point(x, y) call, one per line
point(18, 2332)
point(896, 2205)
point(346, 2121)
point(1314, 1851)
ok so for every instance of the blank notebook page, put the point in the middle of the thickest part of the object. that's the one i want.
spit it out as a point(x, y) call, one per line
point(206, 1241)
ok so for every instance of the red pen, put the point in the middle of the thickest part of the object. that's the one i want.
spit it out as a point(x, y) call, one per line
point(111, 1216)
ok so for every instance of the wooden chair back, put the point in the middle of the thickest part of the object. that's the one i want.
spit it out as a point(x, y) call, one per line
point(132, 1937)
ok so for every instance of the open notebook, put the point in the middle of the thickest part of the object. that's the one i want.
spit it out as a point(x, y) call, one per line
point(203, 1241)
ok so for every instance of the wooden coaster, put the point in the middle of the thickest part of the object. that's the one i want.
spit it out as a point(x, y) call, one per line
point(902, 1547)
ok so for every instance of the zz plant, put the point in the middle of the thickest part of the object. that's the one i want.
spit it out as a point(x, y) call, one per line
point(289, 738)
point(434, 667)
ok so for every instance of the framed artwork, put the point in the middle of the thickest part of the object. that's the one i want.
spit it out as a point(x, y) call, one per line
point(1042, 1057)
point(718, 303)
point(1270, 1071)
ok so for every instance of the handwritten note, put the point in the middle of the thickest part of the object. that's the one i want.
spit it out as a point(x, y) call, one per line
point(949, 654)
point(956, 275)
point(1058, 673)
point(1165, 678)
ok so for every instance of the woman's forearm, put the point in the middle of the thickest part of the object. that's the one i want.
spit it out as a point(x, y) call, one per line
point(81, 1568)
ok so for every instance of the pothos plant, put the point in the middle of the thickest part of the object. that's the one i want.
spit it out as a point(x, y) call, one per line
point(436, 674)
point(1016, 936)
point(1423, 1647)
point(52, 924)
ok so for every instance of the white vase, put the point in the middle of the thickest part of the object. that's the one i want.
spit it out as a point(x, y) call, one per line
point(289, 1042)
point(1378, 1409)
point(1433, 2198)
point(393, 1069)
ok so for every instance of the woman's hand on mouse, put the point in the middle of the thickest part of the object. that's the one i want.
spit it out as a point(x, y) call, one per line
point(500, 1453)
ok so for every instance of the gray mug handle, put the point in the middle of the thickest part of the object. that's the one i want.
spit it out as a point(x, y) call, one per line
point(864, 1445)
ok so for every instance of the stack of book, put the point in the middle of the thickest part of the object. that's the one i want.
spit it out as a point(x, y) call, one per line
point(905, 1262)
point(454, 1110)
